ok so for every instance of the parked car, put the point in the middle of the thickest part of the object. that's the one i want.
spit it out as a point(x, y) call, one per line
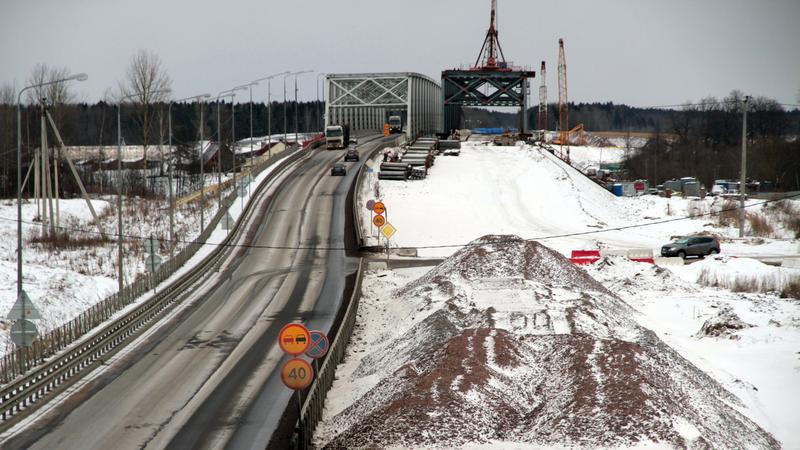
point(338, 169)
point(351, 155)
point(718, 190)
point(691, 246)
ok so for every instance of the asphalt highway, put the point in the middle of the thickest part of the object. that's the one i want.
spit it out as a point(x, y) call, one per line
point(209, 376)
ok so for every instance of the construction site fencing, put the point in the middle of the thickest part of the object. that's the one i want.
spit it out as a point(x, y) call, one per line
point(23, 359)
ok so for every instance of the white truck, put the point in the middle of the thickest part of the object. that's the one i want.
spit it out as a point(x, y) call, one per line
point(337, 136)
point(395, 124)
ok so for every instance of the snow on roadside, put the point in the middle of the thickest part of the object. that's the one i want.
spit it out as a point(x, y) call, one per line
point(63, 283)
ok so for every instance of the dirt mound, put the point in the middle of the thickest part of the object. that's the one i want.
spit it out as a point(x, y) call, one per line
point(725, 324)
point(516, 344)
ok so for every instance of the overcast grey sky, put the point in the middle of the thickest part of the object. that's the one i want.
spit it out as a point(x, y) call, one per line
point(639, 52)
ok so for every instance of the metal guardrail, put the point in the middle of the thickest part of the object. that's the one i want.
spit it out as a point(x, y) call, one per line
point(314, 404)
point(54, 374)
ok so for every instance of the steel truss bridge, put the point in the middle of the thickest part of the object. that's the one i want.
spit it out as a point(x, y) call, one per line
point(364, 101)
point(484, 88)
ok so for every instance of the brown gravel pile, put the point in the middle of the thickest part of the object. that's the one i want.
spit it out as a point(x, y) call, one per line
point(548, 357)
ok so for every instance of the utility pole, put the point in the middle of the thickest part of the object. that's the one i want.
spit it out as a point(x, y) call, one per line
point(743, 179)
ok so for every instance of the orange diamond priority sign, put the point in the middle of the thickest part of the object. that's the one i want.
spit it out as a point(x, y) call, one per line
point(388, 230)
point(294, 339)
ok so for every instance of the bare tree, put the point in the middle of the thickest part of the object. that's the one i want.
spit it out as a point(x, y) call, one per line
point(147, 81)
point(54, 94)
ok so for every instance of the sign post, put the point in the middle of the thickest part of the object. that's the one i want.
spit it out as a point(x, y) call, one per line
point(297, 374)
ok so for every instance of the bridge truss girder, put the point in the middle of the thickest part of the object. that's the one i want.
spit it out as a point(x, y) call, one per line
point(483, 88)
point(364, 101)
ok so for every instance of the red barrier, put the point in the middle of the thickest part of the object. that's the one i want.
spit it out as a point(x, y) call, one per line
point(308, 143)
point(582, 257)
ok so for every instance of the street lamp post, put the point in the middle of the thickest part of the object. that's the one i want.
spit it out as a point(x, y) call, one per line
point(121, 280)
point(232, 94)
point(269, 108)
point(319, 114)
point(250, 86)
point(268, 79)
point(285, 141)
point(296, 130)
point(198, 98)
point(20, 296)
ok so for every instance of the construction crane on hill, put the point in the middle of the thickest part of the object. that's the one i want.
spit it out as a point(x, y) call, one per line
point(543, 101)
point(491, 50)
point(563, 104)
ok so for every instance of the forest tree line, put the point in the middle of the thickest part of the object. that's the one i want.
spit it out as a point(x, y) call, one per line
point(701, 139)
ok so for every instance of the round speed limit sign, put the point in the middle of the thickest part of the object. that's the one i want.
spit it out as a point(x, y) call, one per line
point(297, 374)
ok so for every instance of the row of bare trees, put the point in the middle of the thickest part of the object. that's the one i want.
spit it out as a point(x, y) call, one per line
point(703, 139)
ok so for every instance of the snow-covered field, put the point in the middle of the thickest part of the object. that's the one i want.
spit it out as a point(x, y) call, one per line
point(530, 193)
point(64, 282)
point(401, 334)
point(746, 342)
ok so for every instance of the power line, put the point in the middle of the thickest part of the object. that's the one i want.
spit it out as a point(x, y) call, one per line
point(131, 237)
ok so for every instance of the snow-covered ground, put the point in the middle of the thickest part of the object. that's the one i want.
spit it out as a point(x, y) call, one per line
point(530, 193)
point(746, 342)
point(401, 312)
point(64, 282)
point(760, 364)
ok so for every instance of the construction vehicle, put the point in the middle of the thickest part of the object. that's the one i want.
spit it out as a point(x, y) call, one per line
point(395, 124)
point(337, 136)
point(567, 138)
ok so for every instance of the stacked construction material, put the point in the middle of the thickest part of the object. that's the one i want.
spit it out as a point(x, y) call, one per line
point(412, 161)
point(395, 171)
point(451, 148)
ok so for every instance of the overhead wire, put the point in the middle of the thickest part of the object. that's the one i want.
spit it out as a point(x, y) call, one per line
point(131, 237)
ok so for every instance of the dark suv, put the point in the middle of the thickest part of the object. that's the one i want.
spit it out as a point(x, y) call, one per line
point(338, 169)
point(691, 246)
point(351, 155)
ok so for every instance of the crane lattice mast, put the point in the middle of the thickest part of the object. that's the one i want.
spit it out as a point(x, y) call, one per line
point(563, 103)
point(543, 100)
point(491, 50)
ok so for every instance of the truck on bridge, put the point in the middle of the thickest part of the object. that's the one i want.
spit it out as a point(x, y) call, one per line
point(337, 136)
point(395, 124)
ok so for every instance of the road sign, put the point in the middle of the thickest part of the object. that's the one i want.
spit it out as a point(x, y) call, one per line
point(17, 336)
point(242, 190)
point(318, 346)
point(378, 221)
point(379, 208)
point(297, 374)
point(369, 163)
point(227, 221)
point(151, 245)
point(370, 204)
point(294, 339)
point(30, 312)
point(152, 262)
point(386, 129)
point(388, 230)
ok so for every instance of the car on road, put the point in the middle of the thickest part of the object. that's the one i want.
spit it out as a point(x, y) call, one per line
point(354, 140)
point(338, 169)
point(699, 246)
point(351, 155)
